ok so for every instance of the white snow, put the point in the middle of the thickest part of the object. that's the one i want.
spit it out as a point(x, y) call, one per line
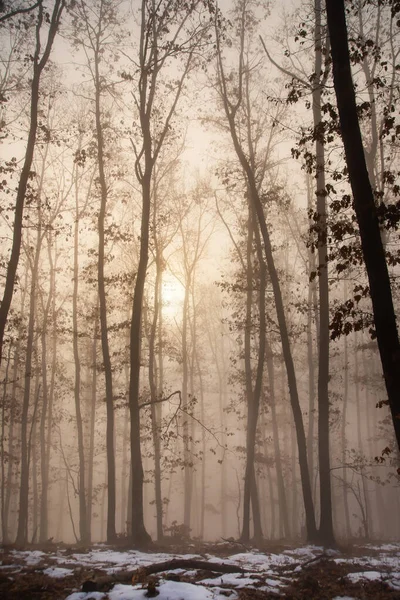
point(169, 590)
point(268, 572)
point(31, 557)
point(370, 575)
point(58, 572)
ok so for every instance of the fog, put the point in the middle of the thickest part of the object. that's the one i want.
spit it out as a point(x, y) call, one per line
point(190, 350)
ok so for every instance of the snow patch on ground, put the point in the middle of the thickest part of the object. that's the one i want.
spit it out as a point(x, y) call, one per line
point(58, 572)
point(267, 572)
point(369, 575)
point(170, 590)
point(31, 557)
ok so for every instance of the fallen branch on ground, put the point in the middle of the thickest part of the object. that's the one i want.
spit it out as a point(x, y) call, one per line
point(139, 575)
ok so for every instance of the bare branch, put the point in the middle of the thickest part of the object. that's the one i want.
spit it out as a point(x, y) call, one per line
point(19, 11)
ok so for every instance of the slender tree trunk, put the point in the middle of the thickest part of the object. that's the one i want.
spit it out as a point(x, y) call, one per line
point(257, 206)
point(125, 462)
point(139, 533)
point(326, 524)
point(4, 515)
point(187, 496)
point(250, 429)
point(310, 353)
point(111, 493)
point(92, 424)
point(343, 434)
point(360, 437)
point(12, 445)
point(34, 475)
point(294, 397)
point(155, 424)
point(22, 531)
point(365, 209)
point(271, 501)
point(77, 382)
point(47, 392)
point(282, 501)
point(39, 64)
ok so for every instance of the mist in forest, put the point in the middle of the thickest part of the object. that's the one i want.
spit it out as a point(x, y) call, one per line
point(188, 345)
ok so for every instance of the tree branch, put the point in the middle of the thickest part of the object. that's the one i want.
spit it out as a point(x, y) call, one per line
point(19, 11)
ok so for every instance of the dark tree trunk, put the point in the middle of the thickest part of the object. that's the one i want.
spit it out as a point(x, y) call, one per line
point(326, 524)
point(48, 393)
point(153, 392)
point(38, 66)
point(111, 501)
point(287, 354)
point(188, 475)
point(4, 514)
point(84, 536)
point(22, 532)
point(344, 436)
point(92, 425)
point(139, 533)
point(365, 209)
point(282, 500)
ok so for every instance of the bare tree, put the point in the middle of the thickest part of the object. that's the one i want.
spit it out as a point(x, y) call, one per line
point(40, 60)
point(232, 97)
point(168, 31)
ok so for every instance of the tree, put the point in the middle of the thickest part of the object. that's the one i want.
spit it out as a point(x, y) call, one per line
point(232, 98)
point(39, 59)
point(365, 209)
point(168, 31)
point(316, 84)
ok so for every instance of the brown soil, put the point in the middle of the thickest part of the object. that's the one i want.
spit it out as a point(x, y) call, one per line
point(320, 579)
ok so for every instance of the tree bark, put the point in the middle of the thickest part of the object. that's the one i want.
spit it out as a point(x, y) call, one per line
point(22, 532)
point(84, 536)
point(365, 209)
point(326, 524)
point(111, 493)
point(38, 66)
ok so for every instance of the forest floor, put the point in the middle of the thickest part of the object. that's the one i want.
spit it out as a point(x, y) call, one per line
point(193, 571)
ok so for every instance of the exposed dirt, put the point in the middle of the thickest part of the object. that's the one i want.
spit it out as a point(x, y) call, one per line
point(318, 579)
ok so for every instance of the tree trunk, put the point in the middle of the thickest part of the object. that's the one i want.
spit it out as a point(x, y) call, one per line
point(38, 66)
point(84, 537)
point(155, 424)
point(310, 353)
point(47, 392)
point(92, 425)
point(287, 354)
point(22, 531)
point(326, 524)
point(4, 515)
point(365, 209)
point(111, 501)
point(139, 533)
point(343, 434)
point(360, 438)
point(282, 501)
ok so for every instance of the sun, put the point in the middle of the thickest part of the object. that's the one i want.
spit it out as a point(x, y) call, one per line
point(173, 294)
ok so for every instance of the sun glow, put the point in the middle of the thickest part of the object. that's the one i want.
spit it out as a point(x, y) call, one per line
point(173, 294)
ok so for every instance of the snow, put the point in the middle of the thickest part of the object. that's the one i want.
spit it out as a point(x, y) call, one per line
point(265, 571)
point(58, 572)
point(369, 575)
point(170, 590)
point(31, 558)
